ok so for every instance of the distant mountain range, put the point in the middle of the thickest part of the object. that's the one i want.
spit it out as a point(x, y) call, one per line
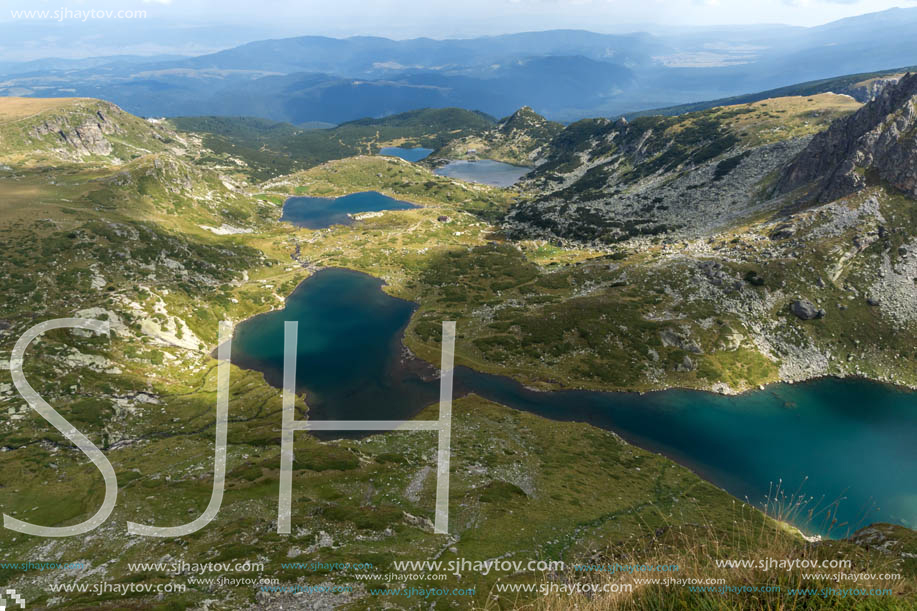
point(563, 74)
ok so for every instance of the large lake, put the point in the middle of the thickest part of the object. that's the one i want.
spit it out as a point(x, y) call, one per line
point(408, 154)
point(835, 439)
point(486, 171)
point(320, 212)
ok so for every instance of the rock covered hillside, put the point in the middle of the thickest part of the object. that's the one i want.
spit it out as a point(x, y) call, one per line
point(715, 280)
point(76, 129)
point(520, 138)
point(875, 145)
point(606, 181)
point(869, 89)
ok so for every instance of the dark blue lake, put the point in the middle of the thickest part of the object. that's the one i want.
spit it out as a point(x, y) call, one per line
point(320, 212)
point(485, 171)
point(847, 440)
point(414, 154)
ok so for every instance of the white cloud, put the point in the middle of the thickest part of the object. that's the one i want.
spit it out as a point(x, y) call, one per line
point(811, 2)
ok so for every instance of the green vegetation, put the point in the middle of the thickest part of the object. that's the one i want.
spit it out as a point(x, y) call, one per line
point(165, 248)
point(695, 549)
point(270, 149)
point(517, 139)
point(581, 326)
point(50, 133)
point(726, 166)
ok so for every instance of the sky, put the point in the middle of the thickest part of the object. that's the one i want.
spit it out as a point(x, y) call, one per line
point(441, 18)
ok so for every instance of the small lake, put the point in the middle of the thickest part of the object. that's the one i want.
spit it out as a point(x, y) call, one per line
point(321, 212)
point(485, 171)
point(836, 439)
point(414, 154)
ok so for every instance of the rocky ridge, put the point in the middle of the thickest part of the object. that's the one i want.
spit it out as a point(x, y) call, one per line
point(520, 138)
point(875, 145)
point(84, 129)
point(869, 90)
point(710, 197)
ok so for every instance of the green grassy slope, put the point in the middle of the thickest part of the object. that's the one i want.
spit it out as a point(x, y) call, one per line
point(76, 129)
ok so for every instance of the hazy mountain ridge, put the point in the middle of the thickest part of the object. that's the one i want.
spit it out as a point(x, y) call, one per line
point(372, 57)
point(563, 74)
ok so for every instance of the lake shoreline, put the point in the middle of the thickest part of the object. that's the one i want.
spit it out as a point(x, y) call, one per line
point(338, 210)
point(725, 440)
point(481, 171)
point(897, 386)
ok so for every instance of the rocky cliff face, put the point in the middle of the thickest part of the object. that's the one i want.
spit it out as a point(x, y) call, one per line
point(86, 134)
point(80, 128)
point(869, 90)
point(875, 145)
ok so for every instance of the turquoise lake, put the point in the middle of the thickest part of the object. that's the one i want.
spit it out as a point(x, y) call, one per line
point(850, 441)
point(321, 212)
point(485, 171)
point(412, 154)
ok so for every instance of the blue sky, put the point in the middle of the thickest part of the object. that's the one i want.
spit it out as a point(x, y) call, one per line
point(446, 18)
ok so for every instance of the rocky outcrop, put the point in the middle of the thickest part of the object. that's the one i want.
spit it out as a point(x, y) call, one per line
point(867, 91)
point(525, 122)
point(806, 310)
point(875, 145)
point(679, 340)
point(77, 129)
point(680, 203)
point(86, 135)
point(519, 138)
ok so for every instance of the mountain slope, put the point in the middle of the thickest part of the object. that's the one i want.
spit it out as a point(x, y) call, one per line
point(519, 138)
point(875, 145)
point(862, 87)
point(606, 181)
point(76, 129)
